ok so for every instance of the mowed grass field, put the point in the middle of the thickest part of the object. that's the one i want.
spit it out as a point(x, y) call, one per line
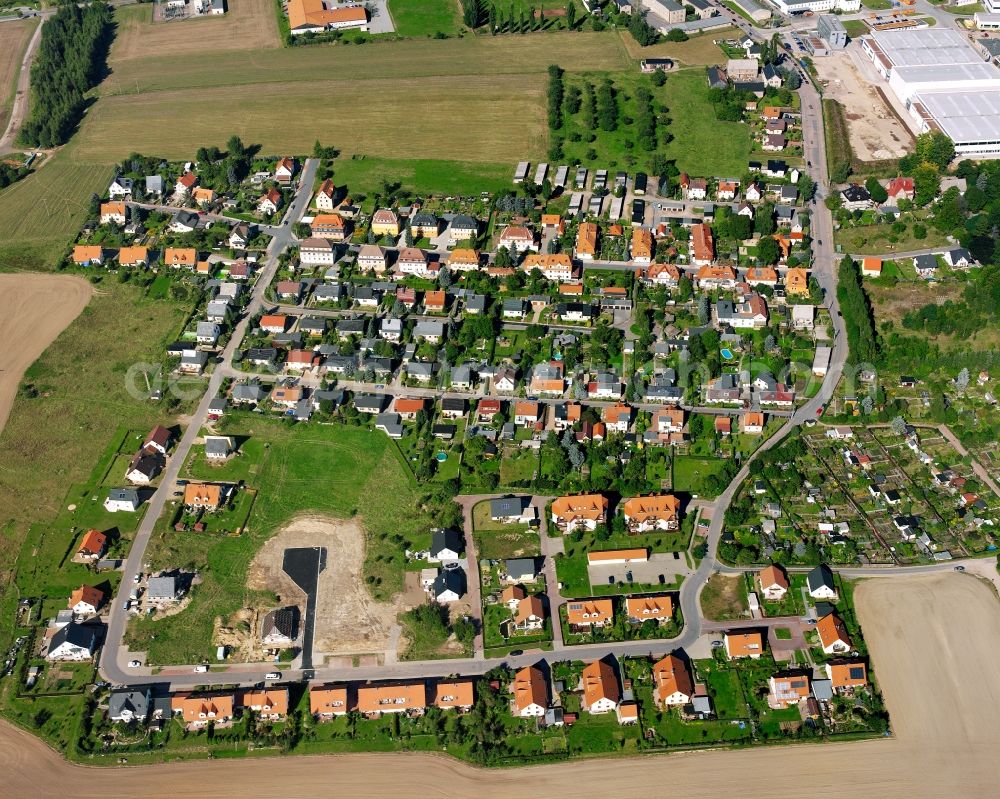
point(417, 58)
point(422, 176)
point(480, 118)
point(42, 213)
point(702, 145)
point(332, 470)
point(425, 17)
point(14, 38)
point(246, 25)
point(696, 51)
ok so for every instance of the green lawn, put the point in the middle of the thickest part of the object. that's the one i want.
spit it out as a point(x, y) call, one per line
point(518, 466)
point(725, 689)
point(690, 472)
point(497, 541)
point(855, 28)
point(683, 100)
point(330, 469)
point(244, 465)
point(877, 240)
point(424, 17)
point(365, 174)
point(702, 145)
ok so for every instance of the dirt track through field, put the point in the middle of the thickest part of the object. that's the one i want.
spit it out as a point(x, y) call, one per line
point(34, 310)
point(934, 642)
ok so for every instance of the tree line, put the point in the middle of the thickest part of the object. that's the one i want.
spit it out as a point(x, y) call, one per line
point(70, 61)
point(857, 312)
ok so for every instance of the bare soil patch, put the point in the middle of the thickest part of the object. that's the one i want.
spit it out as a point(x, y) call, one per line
point(34, 310)
point(348, 620)
point(876, 133)
point(246, 25)
point(722, 598)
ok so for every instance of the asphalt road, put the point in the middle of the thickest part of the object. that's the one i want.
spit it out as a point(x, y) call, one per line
point(114, 655)
point(304, 565)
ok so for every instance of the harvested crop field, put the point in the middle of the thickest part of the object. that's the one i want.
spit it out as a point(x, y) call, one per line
point(14, 37)
point(41, 214)
point(934, 641)
point(246, 25)
point(348, 620)
point(34, 310)
point(353, 65)
point(507, 111)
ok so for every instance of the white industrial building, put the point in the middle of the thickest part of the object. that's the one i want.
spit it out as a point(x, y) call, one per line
point(944, 84)
point(986, 22)
point(789, 7)
point(753, 9)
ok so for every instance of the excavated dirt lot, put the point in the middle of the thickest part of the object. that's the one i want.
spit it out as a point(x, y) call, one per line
point(348, 621)
point(876, 133)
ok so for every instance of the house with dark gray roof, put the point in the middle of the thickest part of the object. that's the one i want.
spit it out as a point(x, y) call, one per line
point(247, 393)
point(369, 403)
point(821, 584)
point(449, 585)
point(446, 544)
point(390, 424)
point(511, 509)
point(520, 570)
point(162, 589)
point(280, 626)
point(72, 642)
point(130, 705)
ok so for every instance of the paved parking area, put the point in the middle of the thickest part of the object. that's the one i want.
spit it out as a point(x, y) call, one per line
point(381, 20)
point(303, 565)
point(660, 564)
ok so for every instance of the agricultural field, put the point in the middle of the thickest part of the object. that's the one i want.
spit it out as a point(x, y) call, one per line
point(246, 25)
point(14, 38)
point(415, 58)
point(329, 470)
point(42, 213)
point(380, 125)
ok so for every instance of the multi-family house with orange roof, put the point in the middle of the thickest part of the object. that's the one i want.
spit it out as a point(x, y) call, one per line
point(580, 511)
point(646, 514)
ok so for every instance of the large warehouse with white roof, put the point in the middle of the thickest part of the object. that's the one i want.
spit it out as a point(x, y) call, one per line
point(944, 83)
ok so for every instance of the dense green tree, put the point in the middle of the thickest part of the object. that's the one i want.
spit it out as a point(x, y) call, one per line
point(71, 59)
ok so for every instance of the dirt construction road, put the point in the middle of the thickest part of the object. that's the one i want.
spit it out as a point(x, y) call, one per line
point(934, 640)
point(34, 310)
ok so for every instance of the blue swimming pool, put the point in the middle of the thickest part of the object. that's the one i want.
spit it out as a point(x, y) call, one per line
point(726, 353)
